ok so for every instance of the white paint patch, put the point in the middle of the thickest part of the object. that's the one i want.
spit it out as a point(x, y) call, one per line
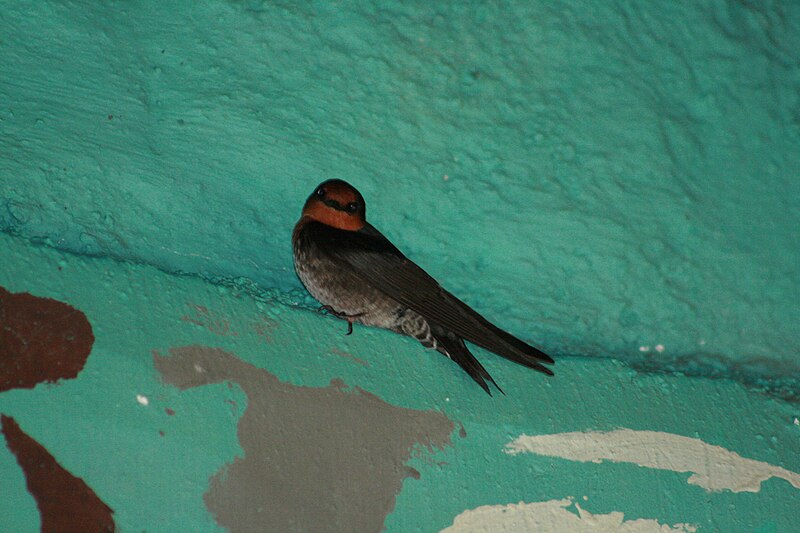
point(714, 468)
point(644, 348)
point(142, 399)
point(553, 516)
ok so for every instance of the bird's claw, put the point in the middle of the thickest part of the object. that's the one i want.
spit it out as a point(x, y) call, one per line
point(344, 316)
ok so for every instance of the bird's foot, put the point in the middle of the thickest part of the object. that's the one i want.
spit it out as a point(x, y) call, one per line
point(330, 310)
point(343, 316)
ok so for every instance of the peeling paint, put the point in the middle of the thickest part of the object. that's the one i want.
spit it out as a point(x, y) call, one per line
point(315, 459)
point(66, 502)
point(553, 516)
point(714, 468)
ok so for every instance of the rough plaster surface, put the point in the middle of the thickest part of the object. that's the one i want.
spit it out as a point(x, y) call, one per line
point(601, 178)
point(553, 516)
point(315, 459)
point(713, 467)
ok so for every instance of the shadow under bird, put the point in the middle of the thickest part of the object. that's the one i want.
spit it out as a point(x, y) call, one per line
point(359, 276)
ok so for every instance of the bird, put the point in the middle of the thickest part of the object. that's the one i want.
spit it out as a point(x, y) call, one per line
point(359, 276)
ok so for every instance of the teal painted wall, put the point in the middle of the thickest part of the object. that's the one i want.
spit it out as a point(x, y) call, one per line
point(613, 180)
point(620, 175)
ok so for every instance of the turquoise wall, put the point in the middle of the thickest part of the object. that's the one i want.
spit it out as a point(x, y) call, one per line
point(615, 181)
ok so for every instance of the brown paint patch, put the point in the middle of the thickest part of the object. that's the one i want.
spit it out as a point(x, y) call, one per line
point(264, 328)
point(315, 458)
point(201, 315)
point(66, 503)
point(42, 340)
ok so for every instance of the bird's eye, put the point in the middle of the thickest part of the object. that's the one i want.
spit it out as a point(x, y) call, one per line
point(320, 192)
point(352, 207)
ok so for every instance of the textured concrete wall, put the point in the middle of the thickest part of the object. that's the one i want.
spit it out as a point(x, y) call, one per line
point(613, 179)
point(620, 175)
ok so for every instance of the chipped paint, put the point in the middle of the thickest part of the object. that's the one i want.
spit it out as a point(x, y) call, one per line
point(713, 467)
point(264, 328)
point(202, 316)
point(553, 515)
point(315, 459)
point(65, 502)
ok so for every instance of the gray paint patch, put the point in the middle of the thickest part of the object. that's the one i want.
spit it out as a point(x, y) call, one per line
point(316, 459)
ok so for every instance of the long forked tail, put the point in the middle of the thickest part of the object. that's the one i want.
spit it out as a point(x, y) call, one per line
point(455, 349)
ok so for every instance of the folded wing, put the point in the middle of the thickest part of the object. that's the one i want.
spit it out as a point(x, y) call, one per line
point(374, 259)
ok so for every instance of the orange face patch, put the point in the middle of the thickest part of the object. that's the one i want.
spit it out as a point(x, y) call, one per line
point(316, 210)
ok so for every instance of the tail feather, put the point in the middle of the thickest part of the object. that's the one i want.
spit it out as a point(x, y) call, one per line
point(469, 324)
point(455, 349)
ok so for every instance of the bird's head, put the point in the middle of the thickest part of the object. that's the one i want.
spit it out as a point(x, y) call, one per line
point(337, 204)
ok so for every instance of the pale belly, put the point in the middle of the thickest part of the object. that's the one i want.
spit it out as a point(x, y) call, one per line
point(336, 287)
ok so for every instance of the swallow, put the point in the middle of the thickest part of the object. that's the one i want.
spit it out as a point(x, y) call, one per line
point(359, 276)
